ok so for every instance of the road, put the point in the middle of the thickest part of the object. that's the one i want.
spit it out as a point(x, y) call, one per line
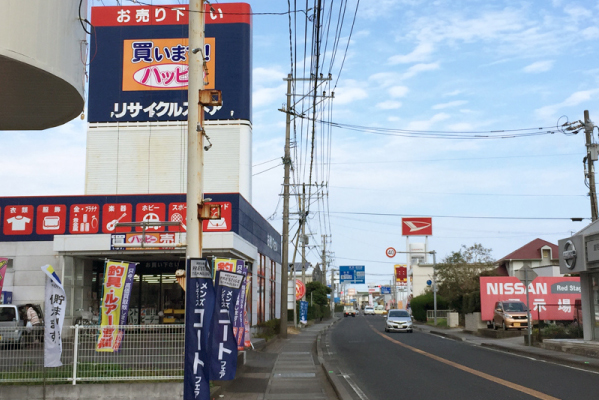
point(382, 366)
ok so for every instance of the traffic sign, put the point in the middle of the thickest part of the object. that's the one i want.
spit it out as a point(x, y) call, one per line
point(390, 252)
point(429, 282)
point(352, 274)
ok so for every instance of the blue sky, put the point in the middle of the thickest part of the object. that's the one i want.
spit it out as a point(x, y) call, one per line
point(455, 66)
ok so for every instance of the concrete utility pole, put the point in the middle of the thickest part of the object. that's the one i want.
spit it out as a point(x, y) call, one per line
point(333, 291)
point(590, 158)
point(285, 244)
point(195, 130)
point(304, 216)
point(324, 259)
point(435, 284)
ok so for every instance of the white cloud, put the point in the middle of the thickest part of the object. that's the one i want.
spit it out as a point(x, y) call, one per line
point(539, 66)
point(389, 105)
point(265, 96)
point(442, 106)
point(398, 91)
point(426, 124)
point(393, 119)
point(349, 93)
point(422, 52)
point(454, 93)
point(263, 76)
point(385, 79)
point(578, 12)
point(591, 33)
point(418, 68)
point(576, 98)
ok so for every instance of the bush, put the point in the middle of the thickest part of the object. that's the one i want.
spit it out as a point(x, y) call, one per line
point(557, 331)
point(422, 303)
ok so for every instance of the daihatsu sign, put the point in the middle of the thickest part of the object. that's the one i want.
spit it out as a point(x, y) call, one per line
point(551, 298)
point(417, 226)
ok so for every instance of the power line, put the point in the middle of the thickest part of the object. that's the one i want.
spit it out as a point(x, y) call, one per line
point(456, 216)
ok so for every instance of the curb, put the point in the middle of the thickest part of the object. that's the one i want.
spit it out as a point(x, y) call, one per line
point(332, 377)
point(439, 333)
point(546, 357)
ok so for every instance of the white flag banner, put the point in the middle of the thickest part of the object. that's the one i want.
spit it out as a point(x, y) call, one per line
point(56, 303)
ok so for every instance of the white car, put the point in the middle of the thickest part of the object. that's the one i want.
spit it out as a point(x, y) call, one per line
point(368, 310)
point(399, 321)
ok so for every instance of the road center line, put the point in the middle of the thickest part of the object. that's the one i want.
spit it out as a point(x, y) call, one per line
point(491, 378)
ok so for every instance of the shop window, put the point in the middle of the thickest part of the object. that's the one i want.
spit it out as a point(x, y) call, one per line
point(261, 281)
point(273, 289)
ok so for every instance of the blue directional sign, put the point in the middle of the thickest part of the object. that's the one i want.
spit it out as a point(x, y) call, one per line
point(429, 282)
point(352, 274)
point(385, 289)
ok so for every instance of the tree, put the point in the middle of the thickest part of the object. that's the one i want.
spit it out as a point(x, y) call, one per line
point(458, 276)
point(316, 292)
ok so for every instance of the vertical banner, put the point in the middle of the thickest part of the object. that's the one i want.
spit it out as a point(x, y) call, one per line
point(55, 305)
point(246, 321)
point(3, 266)
point(223, 347)
point(238, 320)
point(303, 312)
point(118, 280)
point(199, 307)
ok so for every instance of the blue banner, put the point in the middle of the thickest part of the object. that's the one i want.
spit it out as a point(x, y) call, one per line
point(385, 289)
point(199, 307)
point(223, 346)
point(304, 312)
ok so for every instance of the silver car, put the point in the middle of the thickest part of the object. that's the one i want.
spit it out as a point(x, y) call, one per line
point(398, 320)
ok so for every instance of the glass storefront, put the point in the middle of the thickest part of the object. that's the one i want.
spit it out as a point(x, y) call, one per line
point(595, 310)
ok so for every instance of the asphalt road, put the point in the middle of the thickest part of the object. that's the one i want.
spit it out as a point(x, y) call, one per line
point(385, 366)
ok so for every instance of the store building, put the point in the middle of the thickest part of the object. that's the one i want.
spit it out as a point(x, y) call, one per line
point(136, 171)
point(579, 256)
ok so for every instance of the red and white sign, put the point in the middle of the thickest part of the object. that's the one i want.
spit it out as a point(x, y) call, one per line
point(417, 226)
point(18, 220)
point(150, 212)
point(300, 289)
point(51, 219)
point(112, 214)
point(390, 252)
point(177, 212)
point(550, 298)
point(401, 273)
point(84, 218)
point(220, 225)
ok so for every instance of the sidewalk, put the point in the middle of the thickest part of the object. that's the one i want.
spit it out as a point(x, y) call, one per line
point(285, 369)
point(516, 345)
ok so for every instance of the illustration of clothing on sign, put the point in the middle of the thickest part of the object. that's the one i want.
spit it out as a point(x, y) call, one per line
point(18, 222)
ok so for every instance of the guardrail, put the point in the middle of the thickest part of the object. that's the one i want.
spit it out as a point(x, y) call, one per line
point(147, 352)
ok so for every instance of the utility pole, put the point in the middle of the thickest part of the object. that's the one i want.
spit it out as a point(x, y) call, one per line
point(285, 245)
point(333, 291)
point(324, 259)
point(590, 158)
point(435, 284)
point(304, 216)
point(195, 130)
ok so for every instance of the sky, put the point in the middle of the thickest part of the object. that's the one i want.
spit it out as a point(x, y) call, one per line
point(456, 66)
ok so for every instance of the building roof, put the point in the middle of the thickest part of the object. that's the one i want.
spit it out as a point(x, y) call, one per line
point(532, 251)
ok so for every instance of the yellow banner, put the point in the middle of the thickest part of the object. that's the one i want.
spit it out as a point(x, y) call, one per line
point(114, 285)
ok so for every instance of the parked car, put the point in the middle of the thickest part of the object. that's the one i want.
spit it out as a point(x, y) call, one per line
point(368, 310)
point(399, 320)
point(510, 314)
point(380, 310)
point(349, 311)
point(13, 321)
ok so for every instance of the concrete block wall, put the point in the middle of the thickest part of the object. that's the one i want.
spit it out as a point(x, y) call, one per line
point(474, 323)
point(26, 279)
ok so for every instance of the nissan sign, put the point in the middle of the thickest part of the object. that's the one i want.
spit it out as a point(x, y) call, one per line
point(572, 255)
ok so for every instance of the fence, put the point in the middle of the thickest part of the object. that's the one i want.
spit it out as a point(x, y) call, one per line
point(430, 314)
point(147, 352)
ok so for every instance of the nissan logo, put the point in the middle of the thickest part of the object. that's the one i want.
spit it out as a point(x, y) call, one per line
point(569, 254)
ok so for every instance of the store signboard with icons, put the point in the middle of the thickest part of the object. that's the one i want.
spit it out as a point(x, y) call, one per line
point(41, 218)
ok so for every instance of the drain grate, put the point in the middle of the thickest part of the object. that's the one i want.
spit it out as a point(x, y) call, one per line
point(295, 375)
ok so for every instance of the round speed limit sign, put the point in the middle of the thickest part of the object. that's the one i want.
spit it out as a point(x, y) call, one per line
point(390, 252)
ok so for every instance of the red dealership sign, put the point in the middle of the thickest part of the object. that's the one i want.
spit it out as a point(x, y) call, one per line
point(417, 226)
point(551, 298)
point(401, 274)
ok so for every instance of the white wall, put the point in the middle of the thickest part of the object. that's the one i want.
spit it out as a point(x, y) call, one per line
point(139, 158)
point(26, 279)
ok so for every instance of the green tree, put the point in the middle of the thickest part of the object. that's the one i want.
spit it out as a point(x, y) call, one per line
point(458, 276)
point(316, 292)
